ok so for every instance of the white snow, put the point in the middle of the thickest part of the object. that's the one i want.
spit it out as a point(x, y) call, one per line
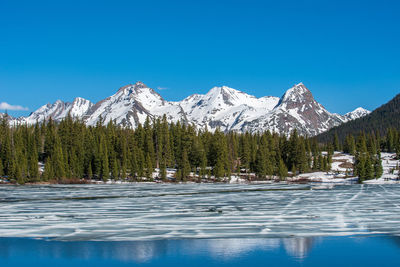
point(355, 114)
point(337, 174)
point(58, 111)
point(223, 107)
point(226, 106)
point(237, 180)
point(339, 158)
point(389, 163)
point(131, 105)
point(324, 177)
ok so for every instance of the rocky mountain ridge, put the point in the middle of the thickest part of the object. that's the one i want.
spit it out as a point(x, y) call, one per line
point(223, 107)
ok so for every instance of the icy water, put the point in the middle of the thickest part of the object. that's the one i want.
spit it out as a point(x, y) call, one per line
point(162, 224)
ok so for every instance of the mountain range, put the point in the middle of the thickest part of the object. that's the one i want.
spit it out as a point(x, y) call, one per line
point(223, 107)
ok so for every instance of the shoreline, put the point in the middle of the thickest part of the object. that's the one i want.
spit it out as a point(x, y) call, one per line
point(292, 180)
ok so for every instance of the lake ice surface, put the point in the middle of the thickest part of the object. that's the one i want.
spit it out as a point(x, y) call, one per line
point(131, 212)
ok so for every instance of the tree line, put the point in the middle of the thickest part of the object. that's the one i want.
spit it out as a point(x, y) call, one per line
point(367, 148)
point(71, 150)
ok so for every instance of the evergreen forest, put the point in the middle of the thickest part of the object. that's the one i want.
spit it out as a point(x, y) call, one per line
point(378, 122)
point(70, 151)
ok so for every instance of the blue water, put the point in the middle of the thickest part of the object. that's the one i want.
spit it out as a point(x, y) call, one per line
point(328, 251)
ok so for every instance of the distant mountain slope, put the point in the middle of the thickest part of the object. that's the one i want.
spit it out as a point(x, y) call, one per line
point(382, 118)
point(131, 105)
point(226, 108)
point(222, 107)
point(58, 111)
point(297, 109)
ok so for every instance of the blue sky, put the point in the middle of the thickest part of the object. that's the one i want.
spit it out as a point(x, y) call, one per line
point(346, 52)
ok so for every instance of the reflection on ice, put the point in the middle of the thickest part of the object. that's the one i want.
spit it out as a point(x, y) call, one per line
point(198, 211)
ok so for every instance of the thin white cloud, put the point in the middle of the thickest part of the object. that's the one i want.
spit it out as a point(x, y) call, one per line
point(6, 106)
point(161, 88)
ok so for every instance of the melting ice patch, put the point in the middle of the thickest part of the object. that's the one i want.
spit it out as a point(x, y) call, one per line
point(154, 211)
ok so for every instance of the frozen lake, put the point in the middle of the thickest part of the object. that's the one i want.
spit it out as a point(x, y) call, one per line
point(146, 212)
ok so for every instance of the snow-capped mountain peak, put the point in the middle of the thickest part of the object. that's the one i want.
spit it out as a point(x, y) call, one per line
point(360, 110)
point(131, 105)
point(133, 88)
point(223, 107)
point(226, 95)
point(58, 111)
point(79, 107)
point(298, 94)
point(357, 113)
point(140, 84)
point(296, 109)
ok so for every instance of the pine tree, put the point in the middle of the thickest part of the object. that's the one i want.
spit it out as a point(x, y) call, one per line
point(134, 164)
point(349, 145)
point(390, 140)
point(149, 167)
point(7, 152)
point(219, 170)
point(166, 141)
point(33, 168)
point(95, 154)
point(149, 144)
point(89, 171)
point(378, 169)
point(178, 175)
point(141, 163)
point(361, 146)
point(282, 170)
point(114, 168)
point(315, 162)
point(261, 164)
point(321, 165)
point(123, 156)
point(123, 174)
point(185, 167)
point(48, 173)
point(371, 146)
point(1, 168)
point(359, 167)
point(68, 164)
point(369, 168)
point(294, 170)
point(245, 151)
point(18, 174)
point(336, 143)
point(58, 160)
point(325, 164)
point(292, 149)
point(163, 170)
point(303, 160)
point(105, 167)
point(203, 165)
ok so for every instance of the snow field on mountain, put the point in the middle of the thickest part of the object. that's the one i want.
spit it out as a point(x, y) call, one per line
point(222, 107)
